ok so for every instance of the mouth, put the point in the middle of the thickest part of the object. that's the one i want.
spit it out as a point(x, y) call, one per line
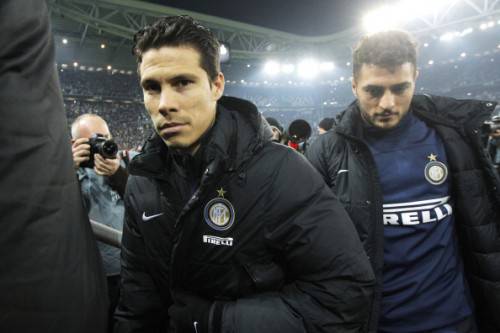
point(171, 129)
point(385, 116)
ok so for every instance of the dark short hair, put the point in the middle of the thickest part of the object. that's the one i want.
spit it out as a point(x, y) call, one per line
point(387, 49)
point(326, 123)
point(177, 31)
point(273, 122)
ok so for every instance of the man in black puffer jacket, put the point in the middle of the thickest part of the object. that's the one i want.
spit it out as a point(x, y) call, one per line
point(412, 174)
point(226, 231)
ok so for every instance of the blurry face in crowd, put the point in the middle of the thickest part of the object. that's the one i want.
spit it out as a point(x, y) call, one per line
point(179, 96)
point(384, 95)
point(89, 126)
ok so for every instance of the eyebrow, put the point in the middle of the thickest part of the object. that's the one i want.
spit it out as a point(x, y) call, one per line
point(179, 77)
point(397, 85)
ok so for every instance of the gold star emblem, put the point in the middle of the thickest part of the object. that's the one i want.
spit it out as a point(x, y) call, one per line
point(221, 192)
point(432, 157)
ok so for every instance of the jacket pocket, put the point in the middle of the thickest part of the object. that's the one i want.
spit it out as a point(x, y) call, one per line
point(266, 276)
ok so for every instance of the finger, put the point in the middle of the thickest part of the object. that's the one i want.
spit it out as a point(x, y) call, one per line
point(81, 147)
point(82, 153)
point(80, 141)
point(97, 171)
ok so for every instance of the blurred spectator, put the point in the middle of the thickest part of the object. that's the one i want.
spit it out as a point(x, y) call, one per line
point(276, 128)
point(325, 125)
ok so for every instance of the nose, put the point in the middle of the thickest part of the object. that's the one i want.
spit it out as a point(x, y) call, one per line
point(168, 102)
point(387, 101)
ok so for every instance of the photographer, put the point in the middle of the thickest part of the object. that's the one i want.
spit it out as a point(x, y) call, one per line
point(102, 175)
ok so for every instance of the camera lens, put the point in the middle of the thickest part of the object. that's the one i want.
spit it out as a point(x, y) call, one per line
point(109, 149)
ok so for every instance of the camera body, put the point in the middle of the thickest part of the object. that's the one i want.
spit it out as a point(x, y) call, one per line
point(102, 146)
point(492, 125)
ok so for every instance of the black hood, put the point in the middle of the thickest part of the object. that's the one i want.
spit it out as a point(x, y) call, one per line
point(238, 132)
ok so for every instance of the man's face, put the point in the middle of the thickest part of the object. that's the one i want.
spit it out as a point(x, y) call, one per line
point(91, 126)
point(384, 95)
point(179, 96)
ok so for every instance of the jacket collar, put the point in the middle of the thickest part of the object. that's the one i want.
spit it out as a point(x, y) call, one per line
point(238, 131)
point(461, 114)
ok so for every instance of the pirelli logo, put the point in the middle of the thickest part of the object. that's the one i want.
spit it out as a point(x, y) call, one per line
point(217, 240)
point(417, 212)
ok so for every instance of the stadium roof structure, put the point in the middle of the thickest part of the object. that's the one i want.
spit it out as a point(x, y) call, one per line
point(112, 23)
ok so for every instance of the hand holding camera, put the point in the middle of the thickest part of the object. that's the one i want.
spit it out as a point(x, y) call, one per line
point(98, 153)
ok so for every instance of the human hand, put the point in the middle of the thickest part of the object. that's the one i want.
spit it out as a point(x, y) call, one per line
point(81, 151)
point(105, 166)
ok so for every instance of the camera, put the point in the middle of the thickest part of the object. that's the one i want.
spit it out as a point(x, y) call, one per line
point(492, 125)
point(102, 146)
point(299, 131)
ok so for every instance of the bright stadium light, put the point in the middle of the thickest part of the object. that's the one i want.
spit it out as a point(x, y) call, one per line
point(65, 41)
point(109, 67)
point(397, 14)
point(272, 67)
point(463, 54)
point(103, 46)
point(287, 68)
point(467, 31)
point(75, 64)
point(431, 62)
point(308, 69)
point(327, 66)
point(224, 53)
point(451, 35)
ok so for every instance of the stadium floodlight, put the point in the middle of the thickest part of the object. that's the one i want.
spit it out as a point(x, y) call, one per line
point(467, 31)
point(342, 78)
point(287, 68)
point(75, 64)
point(448, 36)
point(109, 67)
point(327, 66)
point(308, 69)
point(103, 46)
point(224, 53)
point(463, 54)
point(397, 14)
point(65, 41)
point(348, 64)
point(426, 44)
point(431, 62)
point(272, 67)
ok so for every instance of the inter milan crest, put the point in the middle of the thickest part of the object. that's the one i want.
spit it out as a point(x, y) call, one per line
point(435, 172)
point(219, 212)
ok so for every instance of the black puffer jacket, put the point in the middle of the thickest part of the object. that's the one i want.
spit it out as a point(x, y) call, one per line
point(289, 262)
point(474, 189)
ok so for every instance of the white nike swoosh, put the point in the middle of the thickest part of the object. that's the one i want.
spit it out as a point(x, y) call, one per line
point(147, 218)
point(342, 171)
